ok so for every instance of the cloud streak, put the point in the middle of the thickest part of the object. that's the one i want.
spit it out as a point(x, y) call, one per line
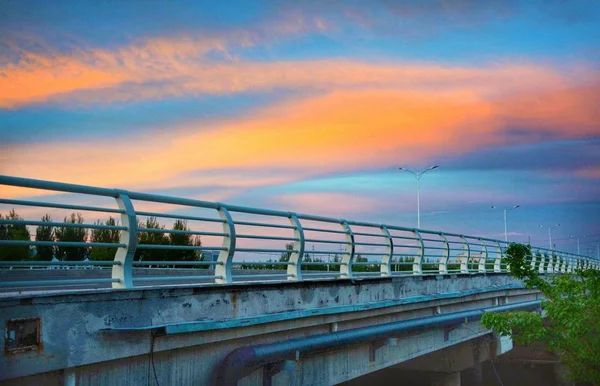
point(336, 131)
point(170, 67)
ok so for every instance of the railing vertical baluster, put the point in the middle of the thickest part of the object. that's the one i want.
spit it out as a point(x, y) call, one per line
point(482, 261)
point(223, 269)
point(348, 258)
point(533, 258)
point(542, 267)
point(464, 261)
point(385, 268)
point(572, 258)
point(295, 262)
point(573, 263)
point(417, 267)
point(498, 260)
point(550, 267)
point(443, 264)
point(125, 255)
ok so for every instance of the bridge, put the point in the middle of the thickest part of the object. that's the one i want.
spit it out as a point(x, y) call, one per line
point(341, 300)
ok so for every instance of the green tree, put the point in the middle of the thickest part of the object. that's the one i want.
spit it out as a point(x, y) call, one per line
point(151, 238)
point(45, 233)
point(364, 267)
point(183, 239)
point(571, 327)
point(14, 232)
point(285, 256)
point(104, 236)
point(71, 234)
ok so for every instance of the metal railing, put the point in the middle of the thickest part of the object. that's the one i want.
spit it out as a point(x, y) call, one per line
point(363, 248)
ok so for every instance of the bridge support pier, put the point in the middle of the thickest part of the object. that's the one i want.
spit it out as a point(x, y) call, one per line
point(452, 379)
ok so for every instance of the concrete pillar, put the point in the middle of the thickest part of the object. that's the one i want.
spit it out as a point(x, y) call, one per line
point(452, 379)
point(474, 375)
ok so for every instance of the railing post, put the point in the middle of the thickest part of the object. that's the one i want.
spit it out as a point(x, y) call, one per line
point(417, 266)
point(125, 255)
point(541, 268)
point(385, 268)
point(533, 259)
point(563, 266)
point(223, 268)
point(348, 257)
point(484, 252)
point(443, 265)
point(550, 267)
point(464, 261)
point(295, 262)
point(498, 259)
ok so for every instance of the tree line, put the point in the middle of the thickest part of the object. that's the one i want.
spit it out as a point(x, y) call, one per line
point(321, 265)
point(50, 233)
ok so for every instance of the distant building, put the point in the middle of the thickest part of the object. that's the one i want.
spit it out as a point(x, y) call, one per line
point(210, 255)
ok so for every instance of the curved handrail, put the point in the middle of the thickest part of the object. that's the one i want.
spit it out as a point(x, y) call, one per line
point(421, 251)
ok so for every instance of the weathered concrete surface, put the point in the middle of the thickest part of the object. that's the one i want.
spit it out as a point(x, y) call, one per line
point(75, 336)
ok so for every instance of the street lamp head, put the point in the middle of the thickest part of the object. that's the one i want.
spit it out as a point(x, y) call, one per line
point(434, 167)
point(516, 206)
point(493, 207)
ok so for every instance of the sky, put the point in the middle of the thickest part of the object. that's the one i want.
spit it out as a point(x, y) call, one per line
point(311, 106)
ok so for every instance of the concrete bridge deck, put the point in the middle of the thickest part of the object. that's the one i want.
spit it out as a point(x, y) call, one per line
point(186, 334)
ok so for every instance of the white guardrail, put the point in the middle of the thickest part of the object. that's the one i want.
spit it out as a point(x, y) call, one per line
point(242, 237)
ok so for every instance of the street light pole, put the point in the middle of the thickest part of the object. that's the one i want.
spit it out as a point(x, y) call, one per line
point(505, 227)
point(418, 178)
point(576, 238)
point(550, 233)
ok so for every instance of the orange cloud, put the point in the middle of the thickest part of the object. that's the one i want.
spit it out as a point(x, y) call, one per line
point(161, 67)
point(592, 172)
point(40, 77)
point(340, 130)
